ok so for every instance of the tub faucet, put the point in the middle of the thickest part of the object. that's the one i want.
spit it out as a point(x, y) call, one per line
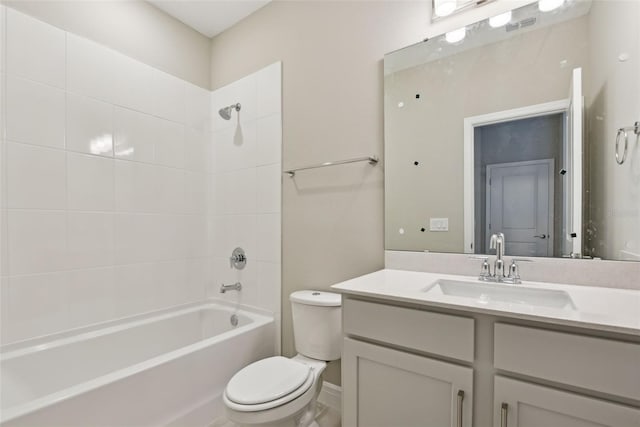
point(235, 287)
point(497, 243)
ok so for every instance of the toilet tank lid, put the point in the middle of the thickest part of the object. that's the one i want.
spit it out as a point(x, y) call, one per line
point(320, 298)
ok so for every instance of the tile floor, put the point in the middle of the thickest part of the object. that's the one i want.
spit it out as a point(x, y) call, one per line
point(325, 417)
point(328, 417)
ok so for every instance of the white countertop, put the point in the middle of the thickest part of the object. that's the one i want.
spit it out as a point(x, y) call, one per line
point(605, 309)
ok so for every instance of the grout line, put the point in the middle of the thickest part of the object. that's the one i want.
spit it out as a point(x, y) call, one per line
point(4, 189)
point(82, 211)
point(66, 156)
point(83, 153)
point(110, 266)
point(116, 237)
point(64, 88)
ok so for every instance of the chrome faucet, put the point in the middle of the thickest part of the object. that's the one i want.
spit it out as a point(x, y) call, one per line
point(497, 243)
point(235, 287)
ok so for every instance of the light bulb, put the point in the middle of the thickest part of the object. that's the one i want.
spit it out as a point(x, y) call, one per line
point(444, 7)
point(500, 20)
point(456, 35)
point(549, 5)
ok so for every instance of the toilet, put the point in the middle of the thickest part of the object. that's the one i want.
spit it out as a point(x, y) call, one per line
point(282, 392)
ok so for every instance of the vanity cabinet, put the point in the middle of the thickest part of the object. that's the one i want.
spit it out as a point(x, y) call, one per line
point(388, 384)
point(523, 404)
point(590, 363)
point(384, 387)
point(410, 366)
point(594, 364)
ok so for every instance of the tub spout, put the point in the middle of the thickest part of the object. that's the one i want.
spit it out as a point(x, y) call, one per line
point(235, 287)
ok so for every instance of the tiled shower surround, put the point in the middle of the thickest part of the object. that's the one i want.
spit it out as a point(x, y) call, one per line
point(246, 182)
point(112, 185)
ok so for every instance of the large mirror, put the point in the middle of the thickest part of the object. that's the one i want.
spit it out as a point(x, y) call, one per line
point(509, 126)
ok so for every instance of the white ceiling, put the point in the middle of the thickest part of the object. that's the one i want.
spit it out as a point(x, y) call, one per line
point(209, 17)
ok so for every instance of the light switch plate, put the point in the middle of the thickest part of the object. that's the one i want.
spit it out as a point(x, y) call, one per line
point(438, 224)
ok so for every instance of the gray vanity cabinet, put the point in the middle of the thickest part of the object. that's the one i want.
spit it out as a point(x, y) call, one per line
point(390, 380)
point(595, 365)
point(522, 404)
point(410, 366)
point(385, 387)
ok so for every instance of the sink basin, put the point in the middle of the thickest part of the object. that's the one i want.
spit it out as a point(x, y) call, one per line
point(486, 293)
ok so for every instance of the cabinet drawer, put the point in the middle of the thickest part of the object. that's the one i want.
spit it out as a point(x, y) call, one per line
point(593, 363)
point(519, 403)
point(443, 334)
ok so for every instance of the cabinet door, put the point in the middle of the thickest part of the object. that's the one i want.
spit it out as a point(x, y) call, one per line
point(389, 388)
point(530, 405)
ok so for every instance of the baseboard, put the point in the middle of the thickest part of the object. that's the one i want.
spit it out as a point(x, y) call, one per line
point(331, 396)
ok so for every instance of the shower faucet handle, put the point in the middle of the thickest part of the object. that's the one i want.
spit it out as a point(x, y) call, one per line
point(238, 258)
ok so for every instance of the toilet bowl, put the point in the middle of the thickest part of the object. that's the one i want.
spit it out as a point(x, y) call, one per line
point(282, 402)
point(282, 392)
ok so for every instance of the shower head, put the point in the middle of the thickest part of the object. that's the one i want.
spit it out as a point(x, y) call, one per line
point(225, 112)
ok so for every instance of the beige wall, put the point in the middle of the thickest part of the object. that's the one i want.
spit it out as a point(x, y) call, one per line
point(615, 102)
point(517, 72)
point(331, 56)
point(132, 27)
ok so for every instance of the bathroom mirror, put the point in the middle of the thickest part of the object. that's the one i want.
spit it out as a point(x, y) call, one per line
point(509, 125)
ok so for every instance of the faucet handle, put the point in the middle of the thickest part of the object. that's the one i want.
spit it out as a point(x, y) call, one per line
point(485, 271)
point(238, 259)
point(514, 270)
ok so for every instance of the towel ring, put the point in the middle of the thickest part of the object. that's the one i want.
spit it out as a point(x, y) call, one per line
point(619, 160)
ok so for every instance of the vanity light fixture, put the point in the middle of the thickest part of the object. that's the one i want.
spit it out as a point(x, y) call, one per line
point(549, 5)
point(456, 35)
point(500, 20)
point(444, 7)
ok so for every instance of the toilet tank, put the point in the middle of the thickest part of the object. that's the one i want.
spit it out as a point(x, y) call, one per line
point(317, 324)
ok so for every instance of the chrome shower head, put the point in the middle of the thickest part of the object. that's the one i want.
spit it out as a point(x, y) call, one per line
point(225, 112)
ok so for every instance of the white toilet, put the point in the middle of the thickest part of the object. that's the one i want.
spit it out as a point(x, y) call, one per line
point(282, 392)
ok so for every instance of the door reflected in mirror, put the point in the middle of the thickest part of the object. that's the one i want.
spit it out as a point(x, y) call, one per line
point(523, 174)
point(512, 130)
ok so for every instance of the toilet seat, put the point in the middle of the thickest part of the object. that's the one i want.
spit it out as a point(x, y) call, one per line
point(268, 383)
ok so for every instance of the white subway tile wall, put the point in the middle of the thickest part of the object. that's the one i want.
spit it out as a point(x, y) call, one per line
point(35, 51)
point(123, 190)
point(245, 202)
point(34, 111)
point(105, 177)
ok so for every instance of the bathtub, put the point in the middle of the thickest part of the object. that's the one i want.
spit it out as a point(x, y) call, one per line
point(165, 368)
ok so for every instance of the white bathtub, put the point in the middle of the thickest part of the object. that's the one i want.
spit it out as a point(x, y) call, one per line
point(169, 367)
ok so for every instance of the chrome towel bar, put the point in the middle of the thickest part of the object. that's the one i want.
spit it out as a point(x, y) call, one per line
point(622, 132)
point(371, 159)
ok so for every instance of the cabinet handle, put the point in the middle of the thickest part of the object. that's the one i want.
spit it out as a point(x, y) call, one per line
point(503, 414)
point(460, 399)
